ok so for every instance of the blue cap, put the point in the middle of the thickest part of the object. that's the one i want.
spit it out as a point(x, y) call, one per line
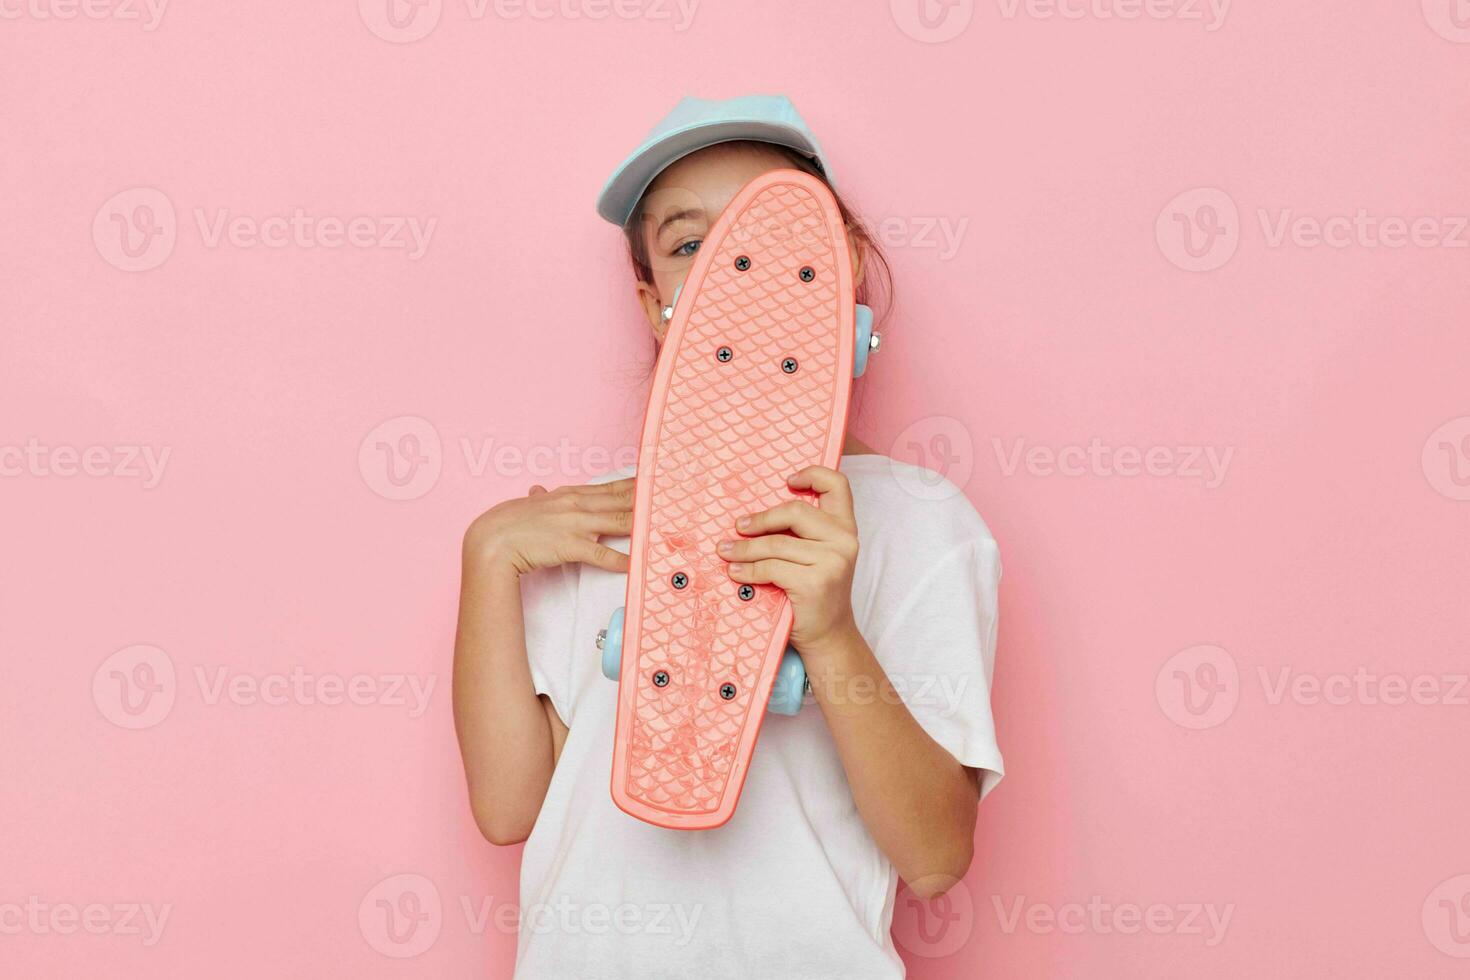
point(695, 124)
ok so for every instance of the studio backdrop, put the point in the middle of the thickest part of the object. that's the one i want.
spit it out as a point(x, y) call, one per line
point(290, 292)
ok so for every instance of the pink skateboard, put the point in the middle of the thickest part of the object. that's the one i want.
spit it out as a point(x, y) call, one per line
point(752, 385)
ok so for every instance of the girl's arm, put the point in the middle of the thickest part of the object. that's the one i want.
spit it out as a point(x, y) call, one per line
point(509, 737)
point(505, 731)
point(915, 798)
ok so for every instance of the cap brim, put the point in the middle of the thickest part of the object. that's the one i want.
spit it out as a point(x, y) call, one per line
point(627, 184)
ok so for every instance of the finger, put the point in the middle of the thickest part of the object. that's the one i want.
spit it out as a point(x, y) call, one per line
point(596, 554)
point(783, 546)
point(613, 522)
point(615, 486)
point(617, 495)
point(796, 516)
point(835, 494)
point(767, 571)
point(594, 502)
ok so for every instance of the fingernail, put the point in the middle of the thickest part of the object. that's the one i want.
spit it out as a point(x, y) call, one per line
point(743, 523)
point(737, 569)
point(726, 547)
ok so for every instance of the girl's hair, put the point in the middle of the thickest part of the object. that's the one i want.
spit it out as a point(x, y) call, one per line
point(876, 288)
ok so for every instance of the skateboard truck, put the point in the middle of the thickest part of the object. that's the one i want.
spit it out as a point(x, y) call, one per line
point(787, 694)
point(867, 342)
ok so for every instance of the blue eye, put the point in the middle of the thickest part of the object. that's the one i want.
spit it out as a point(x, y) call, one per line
point(688, 248)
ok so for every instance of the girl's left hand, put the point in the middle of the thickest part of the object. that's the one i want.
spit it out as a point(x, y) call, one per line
point(813, 562)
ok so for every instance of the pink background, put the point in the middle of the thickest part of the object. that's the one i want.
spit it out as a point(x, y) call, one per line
point(1147, 619)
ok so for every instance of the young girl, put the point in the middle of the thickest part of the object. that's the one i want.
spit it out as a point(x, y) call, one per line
point(877, 778)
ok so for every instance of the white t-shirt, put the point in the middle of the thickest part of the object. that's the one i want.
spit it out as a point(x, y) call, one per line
point(793, 885)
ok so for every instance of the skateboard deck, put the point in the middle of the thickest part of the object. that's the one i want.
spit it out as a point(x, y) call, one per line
point(752, 384)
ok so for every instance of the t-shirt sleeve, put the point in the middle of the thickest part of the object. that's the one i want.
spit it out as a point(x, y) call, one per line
point(935, 636)
point(548, 604)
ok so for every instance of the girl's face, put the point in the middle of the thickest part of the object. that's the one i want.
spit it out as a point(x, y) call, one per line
point(683, 204)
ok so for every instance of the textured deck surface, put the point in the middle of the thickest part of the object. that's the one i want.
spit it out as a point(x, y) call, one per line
point(720, 439)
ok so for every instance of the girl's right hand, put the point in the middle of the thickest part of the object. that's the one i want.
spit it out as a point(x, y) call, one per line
point(556, 527)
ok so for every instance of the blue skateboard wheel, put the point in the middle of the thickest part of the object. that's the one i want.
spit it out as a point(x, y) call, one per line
point(790, 686)
point(863, 322)
point(612, 647)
